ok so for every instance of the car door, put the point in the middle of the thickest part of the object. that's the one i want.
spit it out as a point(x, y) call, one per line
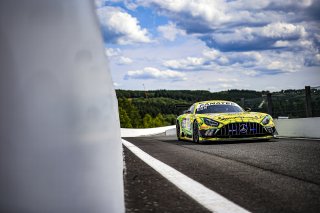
point(190, 118)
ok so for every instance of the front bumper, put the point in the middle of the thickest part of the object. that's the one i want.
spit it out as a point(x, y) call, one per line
point(268, 137)
point(238, 131)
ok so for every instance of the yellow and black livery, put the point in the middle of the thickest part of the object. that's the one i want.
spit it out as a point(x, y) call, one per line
point(220, 120)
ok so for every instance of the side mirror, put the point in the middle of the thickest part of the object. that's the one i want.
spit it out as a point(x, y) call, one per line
point(186, 112)
point(247, 109)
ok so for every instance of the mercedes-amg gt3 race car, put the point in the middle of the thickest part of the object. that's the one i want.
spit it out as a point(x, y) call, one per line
point(223, 120)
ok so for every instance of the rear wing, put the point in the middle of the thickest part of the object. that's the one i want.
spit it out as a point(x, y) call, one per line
point(182, 105)
point(185, 107)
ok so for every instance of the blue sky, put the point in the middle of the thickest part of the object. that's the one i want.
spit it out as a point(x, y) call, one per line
point(212, 44)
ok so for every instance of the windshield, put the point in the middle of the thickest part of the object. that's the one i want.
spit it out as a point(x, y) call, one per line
point(218, 108)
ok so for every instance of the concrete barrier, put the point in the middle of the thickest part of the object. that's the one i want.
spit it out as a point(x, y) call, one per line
point(60, 144)
point(298, 127)
point(126, 132)
point(171, 132)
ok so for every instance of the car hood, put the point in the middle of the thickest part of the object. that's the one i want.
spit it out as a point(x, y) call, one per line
point(235, 117)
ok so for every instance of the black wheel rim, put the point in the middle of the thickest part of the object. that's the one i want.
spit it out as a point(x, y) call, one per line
point(178, 130)
point(195, 133)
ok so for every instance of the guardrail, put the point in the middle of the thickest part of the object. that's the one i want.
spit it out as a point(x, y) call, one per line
point(301, 103)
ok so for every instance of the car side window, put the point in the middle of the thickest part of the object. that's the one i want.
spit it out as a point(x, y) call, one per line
point(192, 109)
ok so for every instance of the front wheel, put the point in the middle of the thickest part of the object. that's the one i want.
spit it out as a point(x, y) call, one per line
point(178, 131)
point(196, 133)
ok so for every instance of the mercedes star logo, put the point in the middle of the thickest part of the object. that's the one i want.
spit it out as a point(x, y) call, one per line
point(243, 128)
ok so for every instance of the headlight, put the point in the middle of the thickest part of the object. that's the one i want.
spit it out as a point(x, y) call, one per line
point(266, 120)
point(210, 122)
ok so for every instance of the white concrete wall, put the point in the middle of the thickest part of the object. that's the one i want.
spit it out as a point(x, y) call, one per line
point(60, 144)
point(299, 127)
point(126, 132)
point(171, 132)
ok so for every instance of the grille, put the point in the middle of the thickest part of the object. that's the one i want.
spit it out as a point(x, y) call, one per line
point(248, 129)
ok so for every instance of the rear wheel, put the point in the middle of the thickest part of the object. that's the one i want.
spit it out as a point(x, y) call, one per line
point(178, 131)
point(196, 133)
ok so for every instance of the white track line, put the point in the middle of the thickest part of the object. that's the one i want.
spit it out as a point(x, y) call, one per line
point(206, 197)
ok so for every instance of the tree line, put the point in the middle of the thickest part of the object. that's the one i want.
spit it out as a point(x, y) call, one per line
point(132, 117)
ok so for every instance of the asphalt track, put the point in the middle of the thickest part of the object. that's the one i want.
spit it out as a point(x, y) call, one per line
point(281, 175)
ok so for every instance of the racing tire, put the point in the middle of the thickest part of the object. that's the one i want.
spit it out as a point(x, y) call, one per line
point(196, 133)
point(178, 131)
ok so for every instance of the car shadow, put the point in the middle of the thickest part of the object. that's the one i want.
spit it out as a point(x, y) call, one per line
point(218, 143)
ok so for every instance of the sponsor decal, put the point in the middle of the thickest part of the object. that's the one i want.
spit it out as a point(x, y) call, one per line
point(183, 123)
point(203, 106)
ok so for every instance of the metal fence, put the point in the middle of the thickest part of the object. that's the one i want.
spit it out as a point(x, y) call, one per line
point(287, 103)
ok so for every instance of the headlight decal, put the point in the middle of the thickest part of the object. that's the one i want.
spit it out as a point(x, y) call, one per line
point(266, 120)
point(210, 122)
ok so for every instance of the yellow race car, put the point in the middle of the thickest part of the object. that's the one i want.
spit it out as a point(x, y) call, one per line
point(219, 120)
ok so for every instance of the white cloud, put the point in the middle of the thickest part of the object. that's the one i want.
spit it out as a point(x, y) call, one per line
point(226, 86)
point(281, 43)
point(154, 73)
point(313, 59)
point(251, 63)
point(266, 4)
point(189, 63)
point(111, 52)
point(239, 25)
point(215, 14)
point(170, 31)
point(116, 84)
point(115, 54)
point(283, 30)
point(283, 62)
point(208, 10)
point(206, 16)
point(226, 80)
point(120, 27)
point(211, 53)
point(250, 72)
point(130, 5)
point(275, 65)
point(124, 60)
point(213, 59)
point(268, 41)
point(223, 61)
point(292, 3)
point(242, 34)
point(307, 46)
point(273, 31)
point(305, 43)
